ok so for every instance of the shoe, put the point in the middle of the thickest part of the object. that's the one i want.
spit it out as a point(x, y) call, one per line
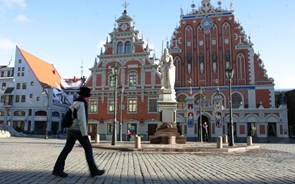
point(98, 173)
point(60, 174)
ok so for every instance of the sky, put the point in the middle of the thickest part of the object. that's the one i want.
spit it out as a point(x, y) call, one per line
point(70, 33)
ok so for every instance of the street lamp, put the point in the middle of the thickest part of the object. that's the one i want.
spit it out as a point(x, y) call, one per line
point(121, 114)
point(230, 74)
point(115, 71)
point(47, 123)
point(200, 109)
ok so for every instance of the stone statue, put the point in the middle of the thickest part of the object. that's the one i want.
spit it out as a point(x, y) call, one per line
point(167, 69)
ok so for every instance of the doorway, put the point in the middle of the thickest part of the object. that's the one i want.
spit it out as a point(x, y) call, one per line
point(201, 129)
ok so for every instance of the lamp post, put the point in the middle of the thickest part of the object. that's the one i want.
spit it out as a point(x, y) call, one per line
point(230, 74)
point(115, 71)
point(46, 126)
point(200, 109)
point(121, 114)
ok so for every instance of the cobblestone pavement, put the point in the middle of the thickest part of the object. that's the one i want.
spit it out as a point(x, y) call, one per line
point(30, 160)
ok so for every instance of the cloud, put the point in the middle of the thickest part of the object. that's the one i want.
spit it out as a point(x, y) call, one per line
point(22, 18)
point(13, 3)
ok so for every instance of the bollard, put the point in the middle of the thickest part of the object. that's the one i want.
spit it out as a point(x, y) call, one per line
point(137, 142)
point(225, 139)
point(89, 137)
point(97, 138)
point(172, 139)
point(219, 142)
point(249, 141)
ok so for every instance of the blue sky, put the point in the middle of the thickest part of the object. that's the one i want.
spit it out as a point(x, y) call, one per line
point(67, 33)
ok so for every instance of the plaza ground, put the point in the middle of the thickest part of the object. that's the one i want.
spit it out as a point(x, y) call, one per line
point(30, 160)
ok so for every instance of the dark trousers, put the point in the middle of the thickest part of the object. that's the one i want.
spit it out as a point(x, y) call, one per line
point(74, 135)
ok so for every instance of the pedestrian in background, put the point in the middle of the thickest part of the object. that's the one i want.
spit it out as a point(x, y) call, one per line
point(128, 135)
point(78, 131)
point(206, 136)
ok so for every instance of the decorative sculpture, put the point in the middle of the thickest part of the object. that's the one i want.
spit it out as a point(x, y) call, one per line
point(167, 69)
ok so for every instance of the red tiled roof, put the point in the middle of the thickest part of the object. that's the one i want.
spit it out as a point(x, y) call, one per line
point(44, 72)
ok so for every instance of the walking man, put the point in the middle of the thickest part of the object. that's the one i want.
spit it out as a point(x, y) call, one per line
point(78, 131)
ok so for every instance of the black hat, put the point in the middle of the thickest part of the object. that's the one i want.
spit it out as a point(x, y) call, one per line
point(84, 91)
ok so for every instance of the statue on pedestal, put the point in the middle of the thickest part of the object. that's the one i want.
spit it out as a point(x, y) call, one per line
point(167, 69)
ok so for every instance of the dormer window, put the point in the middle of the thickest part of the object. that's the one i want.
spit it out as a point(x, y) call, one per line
point(120, 48)
point(127, 47)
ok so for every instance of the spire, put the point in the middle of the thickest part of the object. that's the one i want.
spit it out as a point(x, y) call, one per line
point(232, 5)
point(147, 49)
point(95, 61)
point(81, 67)
point(181, 11)
point(125, 4)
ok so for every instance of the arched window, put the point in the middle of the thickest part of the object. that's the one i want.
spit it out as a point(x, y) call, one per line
point(120, 48)
point(127, 47)
point(237, 100)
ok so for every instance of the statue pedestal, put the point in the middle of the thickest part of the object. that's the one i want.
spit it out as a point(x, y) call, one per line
point(167, 132)
point(167, 106)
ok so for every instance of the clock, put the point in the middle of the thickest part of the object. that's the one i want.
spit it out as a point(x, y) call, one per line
point(124, 27)
point(207, 23)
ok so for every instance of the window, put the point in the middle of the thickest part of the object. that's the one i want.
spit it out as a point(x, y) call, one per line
point(93, 106)
point(112, 81)
point(18, 86)
point(132, 80)
point(19, 113)
point(110, 128)
point(127, 47)
point(132, 105)
point(120, 48)
point(19, 61)
point(19, 69)
point(3, 86)
point(32, 83)
point(237, 100)
point(271, 129)
point(24, 85)
point(152, 105)
point(31, 95)
point(17, 98)
point(111, 105)
point(23, 98)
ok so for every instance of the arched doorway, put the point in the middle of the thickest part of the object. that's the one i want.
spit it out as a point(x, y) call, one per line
point(201, 130)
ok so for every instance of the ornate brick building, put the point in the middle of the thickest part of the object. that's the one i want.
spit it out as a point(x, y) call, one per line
point(138, 82)
point(207, 41)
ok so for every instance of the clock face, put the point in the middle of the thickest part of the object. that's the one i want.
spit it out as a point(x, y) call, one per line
point(124, 27)
point(207, 23)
